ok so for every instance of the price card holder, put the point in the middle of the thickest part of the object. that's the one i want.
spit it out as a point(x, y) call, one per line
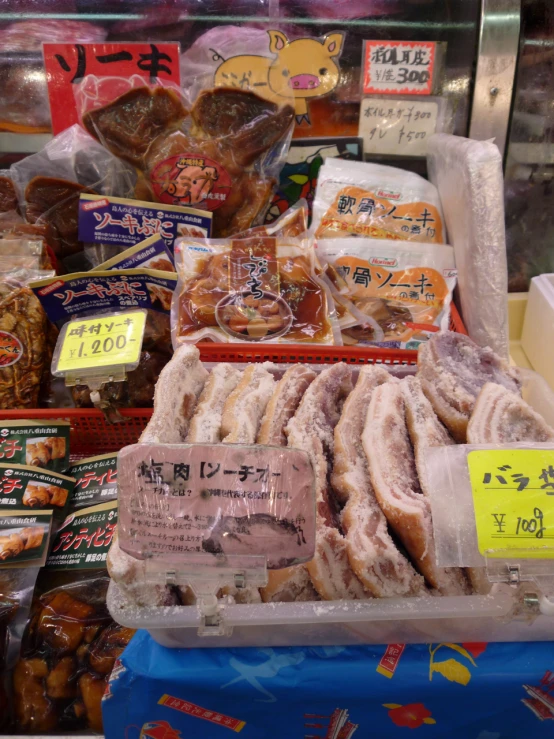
point(98, 349)
point(493, 507)
point(206, 516)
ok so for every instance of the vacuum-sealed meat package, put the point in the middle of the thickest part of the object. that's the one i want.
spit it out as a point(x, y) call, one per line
point(222, 155)
point(50, 182)
point(257, 289)
point(400, 294)
point(370, 200)
point(8, 196)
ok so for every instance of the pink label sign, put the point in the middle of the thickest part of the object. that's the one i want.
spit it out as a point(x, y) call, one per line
point(399, 67)
point(177, 501)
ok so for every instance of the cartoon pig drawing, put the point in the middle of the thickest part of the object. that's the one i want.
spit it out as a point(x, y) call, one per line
point(192, 184)
point(305, 68)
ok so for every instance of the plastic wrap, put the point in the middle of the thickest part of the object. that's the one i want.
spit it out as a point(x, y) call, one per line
point(364, 199)
point(8, 196)
point(224, 156)
point(50, 182)
point(399, 294)
point(468, 175)
point(257, 289)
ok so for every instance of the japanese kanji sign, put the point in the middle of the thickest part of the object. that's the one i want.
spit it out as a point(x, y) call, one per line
point(102, 341)
point(399, 126)
point(513, 495)
point(181, 500)
point(67, 64)
point(84, 539)
point(399, 67)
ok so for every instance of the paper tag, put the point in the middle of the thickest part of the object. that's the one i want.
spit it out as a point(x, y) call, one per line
point(397, 126)
point(102, 341)
point(67, 65)
point(399, 67)
point(513, 495)
point(182, 500)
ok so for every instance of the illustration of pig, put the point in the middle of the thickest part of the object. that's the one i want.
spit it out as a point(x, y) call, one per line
point(305, 68)
point(191, 184)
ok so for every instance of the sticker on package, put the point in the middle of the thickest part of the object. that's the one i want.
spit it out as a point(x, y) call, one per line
point(151, 253)
point(181, 500)
point(36, 444)
point(87, 292)
point(84, 539)
point(24, 537)
point(363, 199)
point(400, 294)
point(95, 480)
point(256, 289)
point(124, 222)
point(22, 486)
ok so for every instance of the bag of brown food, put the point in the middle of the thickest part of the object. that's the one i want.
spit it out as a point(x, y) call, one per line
point(24, 340)
point(223, 154)
point(8, 195)
point(70, 643)
point(50, 182)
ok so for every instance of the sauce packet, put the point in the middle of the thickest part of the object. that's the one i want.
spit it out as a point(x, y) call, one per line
point(400, 294)
point(370, 200)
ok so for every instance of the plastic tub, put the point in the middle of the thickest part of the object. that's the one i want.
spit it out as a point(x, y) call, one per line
point(508, 614)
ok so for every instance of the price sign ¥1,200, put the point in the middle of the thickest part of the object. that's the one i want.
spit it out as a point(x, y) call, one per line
point(513, 496)
point(101, 341)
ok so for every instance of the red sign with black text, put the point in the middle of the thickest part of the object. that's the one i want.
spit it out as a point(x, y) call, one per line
point(67, 64)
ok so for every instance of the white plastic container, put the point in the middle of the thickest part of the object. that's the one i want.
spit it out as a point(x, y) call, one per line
point(516, 612)
point(537, 338)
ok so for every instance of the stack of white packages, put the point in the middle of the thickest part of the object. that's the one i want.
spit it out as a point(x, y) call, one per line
point(468, 176)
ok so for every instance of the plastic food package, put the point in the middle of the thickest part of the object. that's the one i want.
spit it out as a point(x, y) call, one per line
point(35, 443)
point(256, 289)
point(468, 175)
point(152, 253)
point(223, 156)
point(70, 644)
point(25, 339)
point(49, 184)
point(293, 222)
point(95, 480)
point(364, 199)
point(400, 294)
point(8, 196)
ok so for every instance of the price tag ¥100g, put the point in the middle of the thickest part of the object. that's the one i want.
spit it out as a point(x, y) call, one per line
point(109, 340)
point(513, 496)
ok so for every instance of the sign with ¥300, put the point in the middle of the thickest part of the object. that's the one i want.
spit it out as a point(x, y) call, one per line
point(513, 496)
point(102, 341)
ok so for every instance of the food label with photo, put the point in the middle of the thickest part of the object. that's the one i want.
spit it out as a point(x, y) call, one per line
point(124, 222)
point(84, 539)
point(66, 296)
point(151, 253)
point(24, 537)
point(36, 444)
point(25, 487)
point(191, 179)
point(96, 480)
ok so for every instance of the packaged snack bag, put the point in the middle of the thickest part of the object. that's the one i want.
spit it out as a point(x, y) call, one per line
point(257, 289)
point(399, 293)
point(223, 154)
point(70, 643)
point(35, 443)
point(369, 200)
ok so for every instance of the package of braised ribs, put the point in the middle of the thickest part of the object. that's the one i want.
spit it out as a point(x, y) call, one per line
point(152, 253)
point(221, 152)
point(362, 199)
point(256, 289)
point(95, 480)
point(91, 293)
point(70, 644)
point(35, 443)
point(108, 225)
point(50, 182)
point(398, 294)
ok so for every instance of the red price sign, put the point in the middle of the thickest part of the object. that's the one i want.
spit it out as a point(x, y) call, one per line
point(67, 64)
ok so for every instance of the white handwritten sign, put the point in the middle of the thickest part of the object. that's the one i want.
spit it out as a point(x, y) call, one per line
point(398, 127)
point(399, 67)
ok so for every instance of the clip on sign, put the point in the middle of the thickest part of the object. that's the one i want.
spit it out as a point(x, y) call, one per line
point(98, 349)
point(216, 514)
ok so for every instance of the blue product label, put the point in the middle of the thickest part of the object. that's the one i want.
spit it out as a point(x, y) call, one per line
point(123, 222)
point(97, 292)
point(152, 253)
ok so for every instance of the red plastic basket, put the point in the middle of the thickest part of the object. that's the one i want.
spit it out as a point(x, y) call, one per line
point(91, 434)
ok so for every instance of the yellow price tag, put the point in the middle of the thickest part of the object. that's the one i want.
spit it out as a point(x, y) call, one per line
point(102, 341)
point(513, 495)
